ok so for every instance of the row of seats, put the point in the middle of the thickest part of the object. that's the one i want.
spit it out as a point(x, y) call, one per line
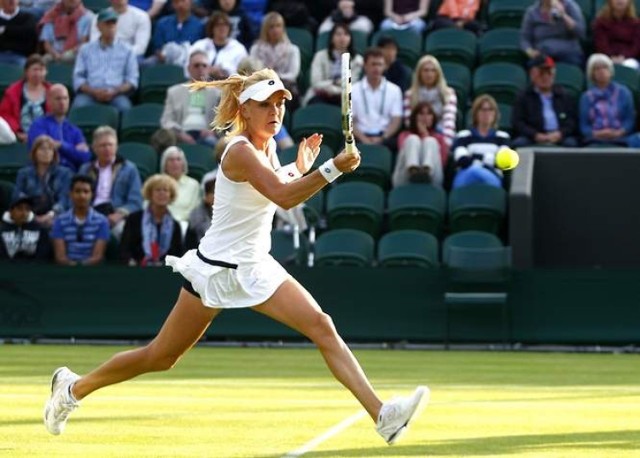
point(403, 248)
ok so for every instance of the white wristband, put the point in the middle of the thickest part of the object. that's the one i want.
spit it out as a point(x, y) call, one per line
point(289, 172)
point(329, 171)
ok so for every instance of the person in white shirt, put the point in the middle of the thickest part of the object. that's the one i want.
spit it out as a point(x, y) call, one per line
point(174, 163)
point(376, 104)
point(232, 267)
point(134, 27)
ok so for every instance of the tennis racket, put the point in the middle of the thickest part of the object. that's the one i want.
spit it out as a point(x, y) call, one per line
point(347, 117)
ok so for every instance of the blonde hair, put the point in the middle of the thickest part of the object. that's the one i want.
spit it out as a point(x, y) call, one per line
point(268, 20)
point(606, 12)
point(441, 82)
point(156, 181)
point(40, 141)
point(228, 113)
point(477, 104)
point(170, 151)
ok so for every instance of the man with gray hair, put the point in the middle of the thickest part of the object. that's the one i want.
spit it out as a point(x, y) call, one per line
point(189, 114)
point(118, 189)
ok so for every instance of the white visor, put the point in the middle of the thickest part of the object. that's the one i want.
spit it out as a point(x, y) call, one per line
point(263, 90)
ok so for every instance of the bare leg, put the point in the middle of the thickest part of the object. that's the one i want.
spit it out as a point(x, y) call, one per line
point(294, 306)
point(184, 326)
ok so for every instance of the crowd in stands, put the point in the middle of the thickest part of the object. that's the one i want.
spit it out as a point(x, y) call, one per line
point(78, 198)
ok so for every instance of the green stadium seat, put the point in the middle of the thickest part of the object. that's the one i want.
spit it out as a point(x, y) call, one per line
point(409, 44)
point(91, 117)
point(473, 240)
point(571, 78)
point(319, 118)
point(360, 41)
point(452, 45)
point(314, 210)
point(140, 122)
point(408, 249)
point(289, 155)
point(9, 74)
point(112, 252)
point(501, 45)
point(12, 158)
point(458, 77)
point(416, 206)
point(375, 166)
point(501, 80)
point(303, 39)
point(142, 155)
point(630, 78)
point(96, 5)
point(6, 192)
point(477, 207)
point(200, 158)
point(61, 73)
point(507, 13)
point(156, 79)
point(344, 247)
point(356, 205)
point(286, 250)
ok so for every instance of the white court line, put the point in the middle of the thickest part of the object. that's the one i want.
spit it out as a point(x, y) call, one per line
point(313, 443)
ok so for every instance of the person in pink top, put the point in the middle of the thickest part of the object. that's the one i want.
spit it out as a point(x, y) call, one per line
point(615, 32)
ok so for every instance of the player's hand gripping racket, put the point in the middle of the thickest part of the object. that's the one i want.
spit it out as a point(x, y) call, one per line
point(347, 118)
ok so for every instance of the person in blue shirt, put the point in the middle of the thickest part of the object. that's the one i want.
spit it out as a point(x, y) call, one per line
point(176, 28)
point(69, 140)
point(80, 234)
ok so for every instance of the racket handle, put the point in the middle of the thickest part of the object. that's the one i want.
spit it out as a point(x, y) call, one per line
point(350, 147)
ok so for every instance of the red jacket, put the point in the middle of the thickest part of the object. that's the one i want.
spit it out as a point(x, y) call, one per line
point(617, 37)
point(12, 104)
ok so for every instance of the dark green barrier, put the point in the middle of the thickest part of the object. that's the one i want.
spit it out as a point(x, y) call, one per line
point(563, 306)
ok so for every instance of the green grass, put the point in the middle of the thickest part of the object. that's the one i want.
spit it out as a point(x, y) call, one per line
point(263, 403)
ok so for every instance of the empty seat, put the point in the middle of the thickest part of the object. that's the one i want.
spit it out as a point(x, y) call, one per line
point(501, 80)
point(6, 191)
point(408, 248)
point(143, 156)
point(9, 74)
point(288, 248)
point(140, 122)
point(409, 44)
point(375, 166)
point(501, 45)
point(91, 117)
point(477, 207)
point(62, 73)
point(417, 206)
point(507, 13)
point(200, 159)
point(303, 39)
point(12, 158)
point(571, 78)
point(344, 247)
point(156, 79)
point(322, 118)
point(630, 78)
point(452, 45)
point(458, 77)
point(356, 205)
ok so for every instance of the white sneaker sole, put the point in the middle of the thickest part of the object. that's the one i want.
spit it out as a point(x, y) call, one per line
point(420, 400)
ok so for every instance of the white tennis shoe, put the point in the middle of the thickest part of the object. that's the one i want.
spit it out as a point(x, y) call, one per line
point(60, 404)
point(396, 414)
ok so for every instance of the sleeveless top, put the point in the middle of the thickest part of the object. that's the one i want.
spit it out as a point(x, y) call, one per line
point(240, 230)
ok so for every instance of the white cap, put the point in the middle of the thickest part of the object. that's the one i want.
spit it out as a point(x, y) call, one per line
point(263, 90)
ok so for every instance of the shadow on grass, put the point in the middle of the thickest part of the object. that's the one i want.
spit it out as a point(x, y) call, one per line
point(495, 446)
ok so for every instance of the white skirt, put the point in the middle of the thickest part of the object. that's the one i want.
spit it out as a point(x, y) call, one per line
point(223, 287)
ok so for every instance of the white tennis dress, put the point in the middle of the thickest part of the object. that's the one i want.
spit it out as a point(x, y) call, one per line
point(240, 234)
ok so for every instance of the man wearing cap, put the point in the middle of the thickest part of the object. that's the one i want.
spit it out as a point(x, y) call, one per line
point(544, 113)
point(21, 237)
point(106, 70)
point(133, 28)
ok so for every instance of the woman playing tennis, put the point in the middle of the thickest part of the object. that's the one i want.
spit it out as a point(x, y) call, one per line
point(232, 267)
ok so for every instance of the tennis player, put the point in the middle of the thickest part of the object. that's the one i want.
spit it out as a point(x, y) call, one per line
point(232, 267)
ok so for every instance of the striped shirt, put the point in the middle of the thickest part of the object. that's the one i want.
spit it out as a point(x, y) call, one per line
point(102, 66)
point(447, 123)
point(80, 238)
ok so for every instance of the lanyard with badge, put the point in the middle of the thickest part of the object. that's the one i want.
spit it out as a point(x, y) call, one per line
point(364, 98)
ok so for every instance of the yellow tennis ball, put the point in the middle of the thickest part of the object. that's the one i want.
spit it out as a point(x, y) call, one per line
point(507, 159)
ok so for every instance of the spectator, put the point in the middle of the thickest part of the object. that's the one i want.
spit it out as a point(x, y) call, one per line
point(396, 71)
point(422, 152)
point(80, 234)
point(458, 13)
point(153, 8)
point(21, 237)
point(555, 28)
point(607, 115)
point(134, 27)
point(240, 24)
point(276, 51)
point(44, 181)
point(106, 70)
point(18, 38)
point(255, 12)
point(345, 14)
point(405, 14)
point(69, 139)
point(151, 234)
point(65, 27)
point(616, 31)
point(377, 104)
point(200, 217)
point(174, 163)
point(189, 114)
point(24, 101)
point(326, 76)
point(224, 52)
point(544, 113)
point(474, 150)
point(430, 85)
point(117, 180)
point(175, 33)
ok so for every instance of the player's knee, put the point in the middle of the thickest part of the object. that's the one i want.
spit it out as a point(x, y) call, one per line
point(158, 361)
point(324, 331)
